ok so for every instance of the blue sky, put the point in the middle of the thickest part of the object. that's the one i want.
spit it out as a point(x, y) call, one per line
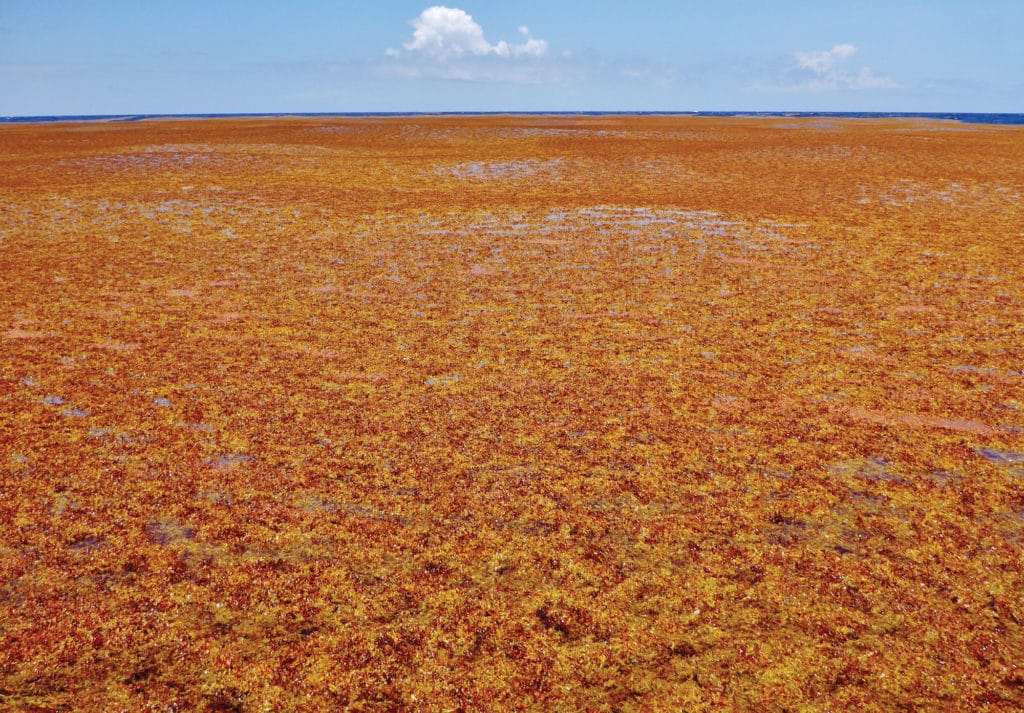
point(190, 56)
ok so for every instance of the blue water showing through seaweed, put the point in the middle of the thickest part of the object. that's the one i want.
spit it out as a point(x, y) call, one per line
point(963, 117)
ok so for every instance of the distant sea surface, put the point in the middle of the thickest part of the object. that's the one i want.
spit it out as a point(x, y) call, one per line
point(967, 118)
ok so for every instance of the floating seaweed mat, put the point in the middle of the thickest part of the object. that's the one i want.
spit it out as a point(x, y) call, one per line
point(508, 413)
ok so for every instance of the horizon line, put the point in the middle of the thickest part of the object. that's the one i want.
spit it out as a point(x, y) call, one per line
point(127, 117)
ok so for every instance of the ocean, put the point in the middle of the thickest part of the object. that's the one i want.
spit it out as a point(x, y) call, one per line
point(964, 117)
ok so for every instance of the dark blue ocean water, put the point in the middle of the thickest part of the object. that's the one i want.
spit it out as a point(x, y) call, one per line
point(965, 117)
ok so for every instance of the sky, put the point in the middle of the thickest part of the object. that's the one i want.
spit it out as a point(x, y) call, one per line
point(75, 57)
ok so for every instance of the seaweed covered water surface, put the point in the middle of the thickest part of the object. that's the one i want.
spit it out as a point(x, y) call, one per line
point(508, 413)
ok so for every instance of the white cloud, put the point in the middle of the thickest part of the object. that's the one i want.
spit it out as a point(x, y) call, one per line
point(821, 62)
point(866, 79)
point(446, 33)
point(825, 70)
point(448, 43)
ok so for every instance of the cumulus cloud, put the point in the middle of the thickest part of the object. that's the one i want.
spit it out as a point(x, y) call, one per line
point(448, 43)
point(821, 62)
point(448, 33)
point(827, 70)
point(865, 78)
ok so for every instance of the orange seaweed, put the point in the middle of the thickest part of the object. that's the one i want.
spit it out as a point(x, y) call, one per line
point(511, 413)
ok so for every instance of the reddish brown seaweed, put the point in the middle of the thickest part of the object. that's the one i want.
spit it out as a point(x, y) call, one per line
point(501, 413)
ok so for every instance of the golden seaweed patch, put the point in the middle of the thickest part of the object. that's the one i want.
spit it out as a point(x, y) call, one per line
point(511, 413)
